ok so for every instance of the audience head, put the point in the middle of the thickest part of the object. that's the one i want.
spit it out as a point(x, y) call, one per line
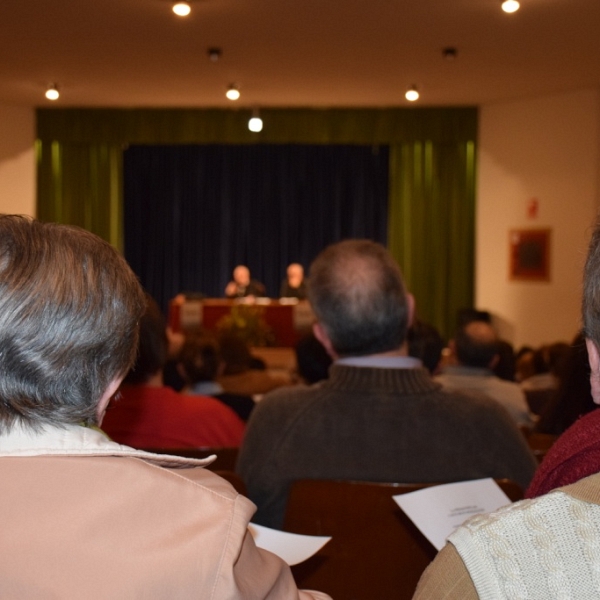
point(525, 363)
point(241, 275)
point(476, 345)
point(573, 398)
point(234, 353)
point(506, 366)
point(153, 346)
point(540, 361)
point(358, 295)
point(295, 274)
point(426, 344)
point(312, 359)
point(199, 358)
point(557, 356)
point(69, 312)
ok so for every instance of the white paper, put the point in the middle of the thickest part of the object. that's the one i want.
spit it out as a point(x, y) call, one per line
point(293, 548)
point(438, 510)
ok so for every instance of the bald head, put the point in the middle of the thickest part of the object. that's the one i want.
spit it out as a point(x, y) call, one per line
point(358, 295)
point(295, 275)
point(476, 344)
point(241, 275)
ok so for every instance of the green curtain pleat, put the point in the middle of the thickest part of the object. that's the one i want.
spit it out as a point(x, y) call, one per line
point(432, 176)
point(81, 184)
point(431, 226)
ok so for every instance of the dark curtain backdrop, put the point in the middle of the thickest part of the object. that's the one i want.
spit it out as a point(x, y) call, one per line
point(194, 212)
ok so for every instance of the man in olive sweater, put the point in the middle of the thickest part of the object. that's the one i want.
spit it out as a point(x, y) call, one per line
point(379, 416)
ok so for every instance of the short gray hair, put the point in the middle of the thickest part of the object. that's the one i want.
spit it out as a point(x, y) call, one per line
point(69, 312)
point(358, 295)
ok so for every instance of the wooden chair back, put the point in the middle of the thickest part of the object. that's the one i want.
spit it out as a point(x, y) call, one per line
point(539, 443)
point(376, 552)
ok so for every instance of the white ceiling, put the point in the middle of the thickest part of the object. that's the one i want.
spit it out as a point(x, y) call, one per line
point(284, 53)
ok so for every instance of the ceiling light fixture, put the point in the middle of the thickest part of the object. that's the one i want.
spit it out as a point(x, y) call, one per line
point(510, 6)
point(214, 54)
point(233, 92)
point(449, 53)
point(412, 94)
point(52, 92)
point(255, 123)
point(182, 8)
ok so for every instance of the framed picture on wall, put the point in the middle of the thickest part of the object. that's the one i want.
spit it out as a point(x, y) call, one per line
point(529, 254)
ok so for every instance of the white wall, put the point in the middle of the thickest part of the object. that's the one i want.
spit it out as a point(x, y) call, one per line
point(17, 160)
point(545, 148)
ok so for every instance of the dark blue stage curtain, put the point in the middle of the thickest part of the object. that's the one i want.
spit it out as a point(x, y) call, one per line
point(194, 212)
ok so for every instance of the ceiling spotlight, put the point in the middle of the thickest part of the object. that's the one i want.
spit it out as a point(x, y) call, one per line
point(52, 92)
point(255, 123)
point(412, 94)
point(510, 6)
point(214, 54)
point(232, 93)
point(449, 53)
point(182, 8)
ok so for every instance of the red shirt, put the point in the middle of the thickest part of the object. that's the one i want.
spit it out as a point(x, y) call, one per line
point(575, 455)
point(159, 417)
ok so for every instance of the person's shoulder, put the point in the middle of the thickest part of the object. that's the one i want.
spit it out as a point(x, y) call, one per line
point(473, 405)
point(510, 386)
point(154, 473)
point(466, 399)
point(205, 480)
point(581, 436)
point(444, 379)
point(523, 514)
point(291, 394)
point(514, 545)
point(199, 401)
point(588, 425)
point(149, 392)
point(206, 405)
point(286, 402)
point(197, 479)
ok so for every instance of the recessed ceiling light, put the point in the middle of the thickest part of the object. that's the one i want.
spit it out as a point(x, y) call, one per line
point(232, 93)
point(412, 94)
point(255, 123)
point(510, 6)
point(52, 92)
point(182, 9)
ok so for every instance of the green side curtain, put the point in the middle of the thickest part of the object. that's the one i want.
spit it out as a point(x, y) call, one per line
point(431, 226)
point(432, 176)
point(81, 184)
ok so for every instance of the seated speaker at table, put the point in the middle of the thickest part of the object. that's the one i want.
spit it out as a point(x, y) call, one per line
point(242, 285)
point(294, 285)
